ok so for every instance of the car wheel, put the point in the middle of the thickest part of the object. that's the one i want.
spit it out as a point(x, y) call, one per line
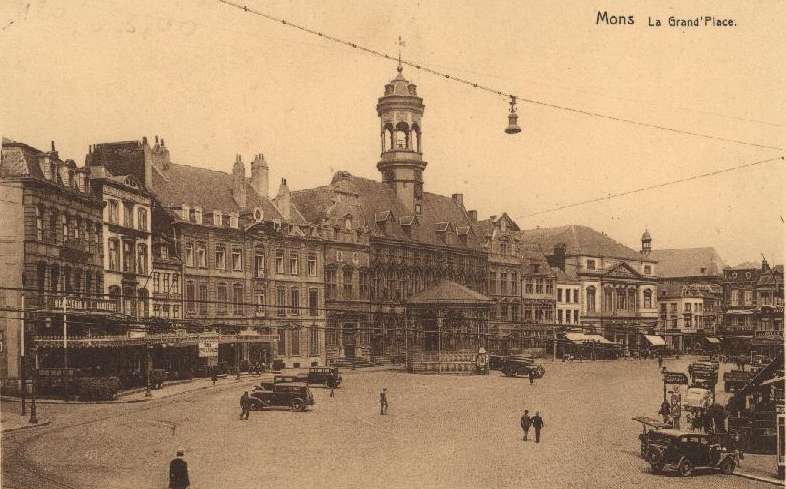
point(728, 466)
point(296, 405)
point(685, 468)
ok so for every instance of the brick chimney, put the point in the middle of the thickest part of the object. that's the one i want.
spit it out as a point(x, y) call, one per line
point(283, 200)
point(458, 199)
point(238, 182)
point(473, 215)
point(259, 176)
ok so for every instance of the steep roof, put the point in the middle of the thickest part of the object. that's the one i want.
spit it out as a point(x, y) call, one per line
point(20, 160)
point(372, 203)
point(448, 292)
point(209, 189)
point(748, 265)
point(565, 277)
point(688, 262)
point(580, 240)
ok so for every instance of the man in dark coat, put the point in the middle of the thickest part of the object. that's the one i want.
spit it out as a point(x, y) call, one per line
point(383, 401)
point(538, 424)
point(531, 377)
point(178, 472)
point(526, 422)
point(245, 405)
point(665, 411)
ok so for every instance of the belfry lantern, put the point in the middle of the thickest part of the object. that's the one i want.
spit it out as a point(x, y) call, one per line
point(513, 117)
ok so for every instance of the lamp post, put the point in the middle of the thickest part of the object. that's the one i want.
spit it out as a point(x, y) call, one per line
point(237, 356)
point(65, 346)
point(23, 331)
point(33, 413)
point(148, 367)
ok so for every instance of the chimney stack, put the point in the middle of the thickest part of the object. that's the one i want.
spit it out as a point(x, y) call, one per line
point(458, 199)
point(473, 215)
point(259, 176)
point(239, 182)
point(283, 200)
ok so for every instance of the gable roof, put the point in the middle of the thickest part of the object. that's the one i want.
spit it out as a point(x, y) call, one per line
point(621, 269)
point(209, 189)
point(487, 226)
point(448, 292)
point(371, 202)
point(688, 262)
point(580, 240)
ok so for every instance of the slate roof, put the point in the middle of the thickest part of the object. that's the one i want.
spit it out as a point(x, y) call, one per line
point(565, 277)
point(448, 292)
point(748, 265)
point(375, 204)
point(209, 189)
point(688, 262)
point(580, 240)
point(20, 160)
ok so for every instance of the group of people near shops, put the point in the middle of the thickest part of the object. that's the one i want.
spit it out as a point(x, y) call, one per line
point(710, 419)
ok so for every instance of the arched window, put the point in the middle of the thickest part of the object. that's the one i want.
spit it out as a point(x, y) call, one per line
point(144, 303)
point(648, 299)
point(387, 138)
point(39, 223)
point(402, 136)
point(416, 138)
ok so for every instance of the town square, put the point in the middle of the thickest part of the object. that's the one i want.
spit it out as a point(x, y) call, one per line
point(387, 244)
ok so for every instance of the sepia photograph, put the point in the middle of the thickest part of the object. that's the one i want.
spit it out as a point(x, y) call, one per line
point(439, 244)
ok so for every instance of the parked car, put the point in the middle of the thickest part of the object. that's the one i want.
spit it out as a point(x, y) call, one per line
point(522, 365)
point(686, 451)
point(323, 376)
point(296, 396)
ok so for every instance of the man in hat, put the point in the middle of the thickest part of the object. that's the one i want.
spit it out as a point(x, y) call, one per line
point(245, 405)
point(526, 422)
point(178, 472)
point(538, 424)
point(383, 401)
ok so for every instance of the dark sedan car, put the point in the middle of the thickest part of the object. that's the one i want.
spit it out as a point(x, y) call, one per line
point(685, 451)
point(296, 396)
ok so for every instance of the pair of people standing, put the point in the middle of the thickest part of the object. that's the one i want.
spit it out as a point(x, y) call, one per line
point(535, 422)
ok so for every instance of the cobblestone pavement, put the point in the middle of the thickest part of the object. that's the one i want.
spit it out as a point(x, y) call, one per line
point(441, 432)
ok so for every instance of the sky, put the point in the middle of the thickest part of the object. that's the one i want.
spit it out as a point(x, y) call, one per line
point(214, 81)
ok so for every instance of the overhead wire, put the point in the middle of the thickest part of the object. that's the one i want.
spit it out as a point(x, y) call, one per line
point(480, 86)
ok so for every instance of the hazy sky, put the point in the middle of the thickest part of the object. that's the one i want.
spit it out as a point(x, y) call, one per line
point(214, 81)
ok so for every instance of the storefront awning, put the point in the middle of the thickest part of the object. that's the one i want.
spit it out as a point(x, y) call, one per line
point(655, 340)
point(586, 338)
point(776, 380)
point(712, 339)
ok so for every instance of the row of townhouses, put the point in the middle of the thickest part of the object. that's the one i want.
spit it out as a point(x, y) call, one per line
point(133, 260)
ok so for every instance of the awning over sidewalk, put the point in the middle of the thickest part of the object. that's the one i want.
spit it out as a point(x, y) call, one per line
point(581, 338)
point(655, 340)
point(712, 339)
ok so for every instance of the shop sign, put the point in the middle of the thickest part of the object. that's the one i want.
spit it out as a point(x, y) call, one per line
point(675, 378)
point(208, 347)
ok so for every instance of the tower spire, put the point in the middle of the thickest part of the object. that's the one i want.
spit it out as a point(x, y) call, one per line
point(400, 43)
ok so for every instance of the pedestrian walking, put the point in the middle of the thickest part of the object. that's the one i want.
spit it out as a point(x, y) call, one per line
point(332, 386)
point(178, 472)
point(526, 422)
point(531, 377)
point(383, 401)
point(676, 414)
point(665, 410)
point(213, 376)
point(245, 405)
point(538, 424)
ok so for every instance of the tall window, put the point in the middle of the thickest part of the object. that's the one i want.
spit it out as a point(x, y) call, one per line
point(114, 256)
point(313, 302)
point(295, 340)
point(202, 299)
point(347, 277)
point(576, 316)
point(128, 257)
point(538, 286)
point(528, 286)
point(590, 299)
point(259, 263)
point(175, 284)
point(128, 215)
point(514, 280)
point(190, 254)
point(549, 287)
point(141, 259)
point(166, 283)
point(312, 265)
point(237, 300)
point(282, 341)
point(648, 299)
point(141, 219)
point(621, 302)
point(590, 264)
point(221, 299)
point(114, 212)
point(156, 282)
point(281, 301)
point(201, 255)
point(280, 261)
point(559, 294)
point(261, 303)
point(330, 284)
point(503, 282)
point(294, 303)
point(313, 341)
point(293, 264)
point(190, 304)
point(364, 284)
point(39, 223)
point(237, 259)
point(221, 257)
point(492, 282)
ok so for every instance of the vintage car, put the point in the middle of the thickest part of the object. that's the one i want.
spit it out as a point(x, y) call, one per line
point(515, 365)
point(648, 425)
point(686, 451)
point(322, 375)
point(294, 395)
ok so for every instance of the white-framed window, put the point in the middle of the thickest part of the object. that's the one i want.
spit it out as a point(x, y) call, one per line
point(280, 261)
point(189, 254)
point(260, 296)
point(218, 218)
point(237, 259)
point(201, 255)
point(221, 257)
point(259, 263)
point(141, 219)
point(294, 264)
point(312, 265)
point(198, 215)
point(590, 264)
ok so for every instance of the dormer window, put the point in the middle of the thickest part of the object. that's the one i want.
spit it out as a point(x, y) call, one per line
point(198, 215)
point(417, 209)
point(233, 221)
point(218, 218)
point(348, 223)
